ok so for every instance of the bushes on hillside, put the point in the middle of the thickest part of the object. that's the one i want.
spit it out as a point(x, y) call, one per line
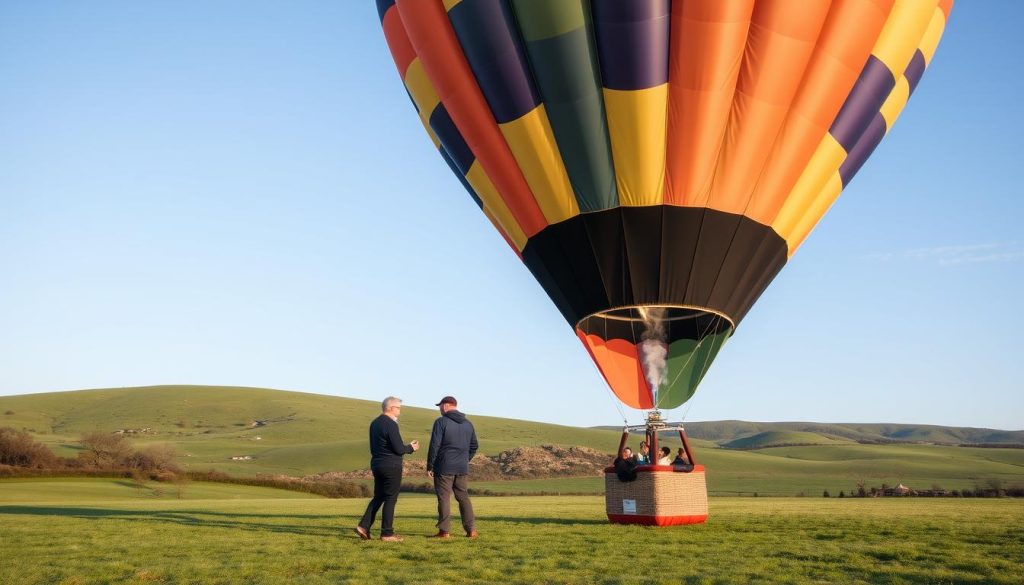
point(154, 458)
point(111, 455)
point(326, 488)
point(103, 454)
point(993, 488)
point(19, 449)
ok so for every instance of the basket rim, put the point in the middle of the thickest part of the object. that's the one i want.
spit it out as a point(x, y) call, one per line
point(658, 469)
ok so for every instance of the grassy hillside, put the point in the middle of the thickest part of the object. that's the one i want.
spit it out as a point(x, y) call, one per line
point(729, 430)
point(284, 432)
point(310, 433)
point(781, 438)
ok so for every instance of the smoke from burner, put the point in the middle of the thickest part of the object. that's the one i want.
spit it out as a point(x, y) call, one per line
point(654, 347)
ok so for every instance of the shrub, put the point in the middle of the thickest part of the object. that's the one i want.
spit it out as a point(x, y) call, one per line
point(152, 460)
point(19, 449)
point(327, 488)
point(104, 449)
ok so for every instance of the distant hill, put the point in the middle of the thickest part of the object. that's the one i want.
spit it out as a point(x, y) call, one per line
point(295, 433)
point(741, 434)
point(780, 439)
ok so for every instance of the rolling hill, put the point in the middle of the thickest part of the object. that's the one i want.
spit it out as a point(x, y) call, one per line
point(730, 430)
point(766, 439)
point(297, 433)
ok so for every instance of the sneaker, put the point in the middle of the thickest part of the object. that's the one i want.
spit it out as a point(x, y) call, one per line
point(441, 534)
point(471, 534)
point(392, 538)
point(362, 532)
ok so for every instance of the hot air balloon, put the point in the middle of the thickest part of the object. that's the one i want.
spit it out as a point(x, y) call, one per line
point(655, 163)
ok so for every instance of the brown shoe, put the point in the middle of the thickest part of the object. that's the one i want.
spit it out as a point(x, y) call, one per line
point(392, 538)
point(441, 534)
point(362, 532)
point(471, 534)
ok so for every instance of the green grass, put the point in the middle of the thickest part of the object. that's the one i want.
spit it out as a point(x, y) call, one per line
point(51, 490)
point(523, 540)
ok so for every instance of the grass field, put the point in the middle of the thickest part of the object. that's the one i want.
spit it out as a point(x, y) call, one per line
point(113, 537)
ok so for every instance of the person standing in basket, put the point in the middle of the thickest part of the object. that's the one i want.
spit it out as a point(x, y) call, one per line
point(452, 445)
point(386, 451)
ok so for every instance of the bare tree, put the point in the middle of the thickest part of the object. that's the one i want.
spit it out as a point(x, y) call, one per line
point(153, 460)
point(104, 449)
point(163, 456)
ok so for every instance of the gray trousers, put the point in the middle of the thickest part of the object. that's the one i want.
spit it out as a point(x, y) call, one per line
point(444, 485)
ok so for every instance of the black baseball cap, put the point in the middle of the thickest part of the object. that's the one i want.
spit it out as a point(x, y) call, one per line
point(448, 400)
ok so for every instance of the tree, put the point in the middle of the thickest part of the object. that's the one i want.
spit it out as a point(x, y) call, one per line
point(19, 449)
point(153, 459)
point(180, 482)
point(995, 486)
point(104, 449)
point(842, 494)
point(826, 494)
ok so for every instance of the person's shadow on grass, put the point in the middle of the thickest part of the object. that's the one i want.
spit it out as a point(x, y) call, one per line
point(194, 518)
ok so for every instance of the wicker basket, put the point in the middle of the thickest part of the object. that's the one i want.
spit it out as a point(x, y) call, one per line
point(660, 496)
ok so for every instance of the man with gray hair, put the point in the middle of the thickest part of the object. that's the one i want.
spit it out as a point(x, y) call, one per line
point(386, 451)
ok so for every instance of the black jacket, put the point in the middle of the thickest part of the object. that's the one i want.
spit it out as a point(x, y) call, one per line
point(386, 446)
point(452, 444)
point(625, 469)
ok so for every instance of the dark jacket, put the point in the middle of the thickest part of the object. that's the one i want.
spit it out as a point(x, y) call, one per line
point(452, 444)
point(625, 469)
point(386, 446)
point(681, 464)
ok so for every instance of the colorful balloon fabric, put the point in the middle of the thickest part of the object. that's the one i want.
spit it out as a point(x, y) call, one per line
point(653, 162)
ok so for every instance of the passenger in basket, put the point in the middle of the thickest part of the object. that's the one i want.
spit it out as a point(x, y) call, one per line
point(681, 463)
point(665, 459)
point(644, 456)
point(625, 465)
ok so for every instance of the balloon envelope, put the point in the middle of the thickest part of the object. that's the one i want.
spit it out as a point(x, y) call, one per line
point(655, 163)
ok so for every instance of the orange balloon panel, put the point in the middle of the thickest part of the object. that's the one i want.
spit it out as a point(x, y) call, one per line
point(619, 363)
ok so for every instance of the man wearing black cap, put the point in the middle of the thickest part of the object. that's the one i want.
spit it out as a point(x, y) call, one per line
point(452, 445)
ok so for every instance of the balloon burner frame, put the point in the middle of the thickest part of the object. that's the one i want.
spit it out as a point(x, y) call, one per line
point(656, 424)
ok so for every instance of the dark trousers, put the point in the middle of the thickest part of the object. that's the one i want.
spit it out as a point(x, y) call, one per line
point(386, 483)
point(444, 485)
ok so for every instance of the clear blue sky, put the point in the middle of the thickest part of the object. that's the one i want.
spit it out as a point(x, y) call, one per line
point(240, 193)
